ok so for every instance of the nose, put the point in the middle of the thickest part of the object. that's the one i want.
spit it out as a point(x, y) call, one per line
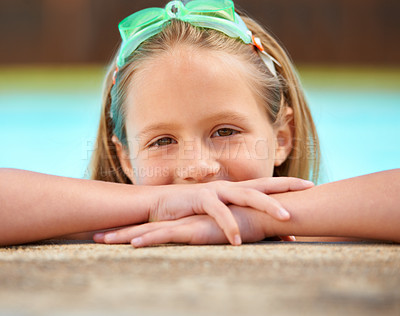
point(198, 165)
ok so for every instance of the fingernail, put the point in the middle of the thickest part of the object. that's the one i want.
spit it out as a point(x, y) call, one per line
point(237, 240)
point(284, 214)
point(110, 237)
point(292, 238)
point(308, 183)
point(98, 236)
point(136, 242)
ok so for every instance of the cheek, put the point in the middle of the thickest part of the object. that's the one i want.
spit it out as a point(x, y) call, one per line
point(152, 171)
point(147, 169)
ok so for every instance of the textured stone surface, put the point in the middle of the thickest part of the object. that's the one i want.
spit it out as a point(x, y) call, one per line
point(82, 278)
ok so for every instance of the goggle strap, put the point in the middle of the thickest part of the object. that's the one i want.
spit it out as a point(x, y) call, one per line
point(268, 61)
point(266, 58)
point(115, 75)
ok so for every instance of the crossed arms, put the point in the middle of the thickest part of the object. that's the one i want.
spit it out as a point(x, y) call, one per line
point(36, 206)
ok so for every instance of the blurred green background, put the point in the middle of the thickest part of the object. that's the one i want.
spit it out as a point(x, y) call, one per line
point(54, 53)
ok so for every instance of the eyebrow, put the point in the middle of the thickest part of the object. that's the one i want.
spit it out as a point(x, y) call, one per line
point(156, 127)
point(229, 116)
point(220, 116)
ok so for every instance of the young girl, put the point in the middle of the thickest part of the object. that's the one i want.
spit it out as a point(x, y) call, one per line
point(206, 135)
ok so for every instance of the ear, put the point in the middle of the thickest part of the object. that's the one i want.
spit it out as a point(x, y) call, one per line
point(284, 138)
point(123, 157)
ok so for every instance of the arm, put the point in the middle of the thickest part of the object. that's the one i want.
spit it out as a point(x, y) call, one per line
point(36, 206)
point(365, 207)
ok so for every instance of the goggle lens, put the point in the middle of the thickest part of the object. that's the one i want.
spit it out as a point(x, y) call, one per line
point(213, 14)
point(140, 20)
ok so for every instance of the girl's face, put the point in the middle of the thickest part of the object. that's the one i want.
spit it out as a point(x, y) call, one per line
point(192, 117)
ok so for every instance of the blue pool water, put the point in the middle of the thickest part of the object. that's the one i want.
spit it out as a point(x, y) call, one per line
point(359, 131)
point(51, 128)
point(48, 132)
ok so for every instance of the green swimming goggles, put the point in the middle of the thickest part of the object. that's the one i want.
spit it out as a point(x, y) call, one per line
point(212, 14)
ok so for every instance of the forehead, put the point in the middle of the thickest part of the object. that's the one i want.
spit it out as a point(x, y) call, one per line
point(186, 84)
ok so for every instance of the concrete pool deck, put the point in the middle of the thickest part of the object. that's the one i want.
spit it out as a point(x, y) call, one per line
point(276, 278)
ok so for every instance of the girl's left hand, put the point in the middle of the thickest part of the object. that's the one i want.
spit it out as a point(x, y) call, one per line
point(194, 230)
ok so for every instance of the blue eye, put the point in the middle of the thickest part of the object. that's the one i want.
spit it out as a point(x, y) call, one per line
point(163, 142)
point(225, 132)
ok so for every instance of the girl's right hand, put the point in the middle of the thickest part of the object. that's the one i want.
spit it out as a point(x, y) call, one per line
point(177, 201)
point(194, 230)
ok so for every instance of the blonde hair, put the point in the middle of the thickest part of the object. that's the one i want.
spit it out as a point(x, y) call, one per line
point(278, 93)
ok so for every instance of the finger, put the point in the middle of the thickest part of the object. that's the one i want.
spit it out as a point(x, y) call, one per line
point(214, 207)
point(180, 234)
point(255, 199)
point(125, 235)
point(196, 230)
point(99, 237)
point(277, 184)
